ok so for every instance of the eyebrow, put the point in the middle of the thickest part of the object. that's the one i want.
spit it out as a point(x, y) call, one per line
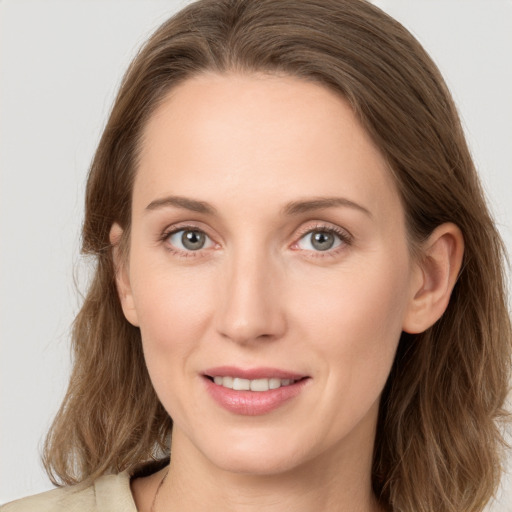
point(319, 203)
point(182, 202)
point(290, 209)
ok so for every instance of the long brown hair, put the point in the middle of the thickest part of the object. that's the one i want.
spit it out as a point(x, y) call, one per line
point(438, 443)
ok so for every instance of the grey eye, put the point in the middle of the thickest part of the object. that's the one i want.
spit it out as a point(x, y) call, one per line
point(189, 240)
point(320, 240)
point(193, 240)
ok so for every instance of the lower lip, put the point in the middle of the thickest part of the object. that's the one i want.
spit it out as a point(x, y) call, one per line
point(253, 403)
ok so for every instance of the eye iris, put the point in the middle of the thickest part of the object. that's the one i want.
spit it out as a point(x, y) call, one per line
point(193, 240)
point(322, 240)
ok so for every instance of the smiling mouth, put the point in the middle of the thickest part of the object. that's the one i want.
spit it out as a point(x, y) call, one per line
point(253, 391)
point(258, 385)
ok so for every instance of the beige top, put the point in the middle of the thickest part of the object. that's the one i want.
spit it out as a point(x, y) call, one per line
point(109, 493)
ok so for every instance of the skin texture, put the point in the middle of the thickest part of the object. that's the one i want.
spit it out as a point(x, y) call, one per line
point(259, 293)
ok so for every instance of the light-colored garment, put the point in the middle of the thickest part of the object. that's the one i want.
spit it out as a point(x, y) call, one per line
point(109, 493)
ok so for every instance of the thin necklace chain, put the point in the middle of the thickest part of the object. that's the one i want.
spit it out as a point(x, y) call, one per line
point(152, 509)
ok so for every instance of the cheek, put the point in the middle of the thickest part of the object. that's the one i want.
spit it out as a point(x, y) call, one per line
point(369, 296)
point(356, 319)
point(173, 308)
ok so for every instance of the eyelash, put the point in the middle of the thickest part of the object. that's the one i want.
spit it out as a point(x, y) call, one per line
point(344, 236)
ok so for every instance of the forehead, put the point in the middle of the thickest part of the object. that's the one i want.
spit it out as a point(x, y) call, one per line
point(277, 136)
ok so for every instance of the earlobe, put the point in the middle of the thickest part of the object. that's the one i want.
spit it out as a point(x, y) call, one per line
point(124, 290)
point(437, 274)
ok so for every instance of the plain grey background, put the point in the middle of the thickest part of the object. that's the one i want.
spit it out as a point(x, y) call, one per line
point(60, 65)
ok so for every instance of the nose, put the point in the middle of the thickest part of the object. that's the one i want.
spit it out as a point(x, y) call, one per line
point(250, 306)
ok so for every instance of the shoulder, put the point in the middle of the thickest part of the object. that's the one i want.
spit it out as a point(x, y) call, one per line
point(73, 498)
point(109, 493)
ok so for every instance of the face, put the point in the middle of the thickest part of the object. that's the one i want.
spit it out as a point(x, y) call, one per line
point(268, 251)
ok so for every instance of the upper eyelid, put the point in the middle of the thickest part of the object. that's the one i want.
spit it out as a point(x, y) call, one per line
point(326, 227)
point(185, 226)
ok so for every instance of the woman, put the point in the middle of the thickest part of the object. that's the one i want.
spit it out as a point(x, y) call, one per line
point(296, 265)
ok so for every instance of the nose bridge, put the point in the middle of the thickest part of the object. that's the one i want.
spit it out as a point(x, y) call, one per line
point(250, 307)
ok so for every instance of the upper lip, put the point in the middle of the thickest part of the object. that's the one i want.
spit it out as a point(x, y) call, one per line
point(252, 373)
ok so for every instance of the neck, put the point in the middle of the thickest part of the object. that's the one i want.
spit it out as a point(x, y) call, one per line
point(330, 482)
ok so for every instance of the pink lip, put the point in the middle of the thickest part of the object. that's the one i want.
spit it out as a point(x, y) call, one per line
point(253, 403)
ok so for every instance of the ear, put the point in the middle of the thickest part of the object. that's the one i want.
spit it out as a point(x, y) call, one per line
point(436, 275)
point(123, 285)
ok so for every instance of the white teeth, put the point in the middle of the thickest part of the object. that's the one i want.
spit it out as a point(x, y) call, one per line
point(259, 385)
point(274, 383)
point(241, 384)
point(253, 385)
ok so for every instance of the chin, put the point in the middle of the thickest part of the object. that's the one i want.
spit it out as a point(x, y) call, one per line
point(257, 464)
point(256, 457)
